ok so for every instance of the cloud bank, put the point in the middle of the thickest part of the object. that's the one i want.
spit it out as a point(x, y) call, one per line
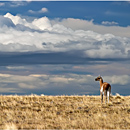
point(49, 36)
point(56, 84)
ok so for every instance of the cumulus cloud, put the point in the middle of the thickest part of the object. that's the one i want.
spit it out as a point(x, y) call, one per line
point(42, 23)
point(45, 35)
point(17, 20)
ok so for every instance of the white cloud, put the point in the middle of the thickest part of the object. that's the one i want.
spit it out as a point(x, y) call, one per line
point(79, 24)
point(15, 67)
point(15, 19)
point(18, 20)
point(42, 10)
point(42, 34)
point(108, 50)
point(118, 79)
point(5, 75)
point(107, 23)
point(42, 23)
point(31, 11)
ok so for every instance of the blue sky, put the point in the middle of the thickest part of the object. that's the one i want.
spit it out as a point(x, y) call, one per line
point(57, 48)
point(99, 11)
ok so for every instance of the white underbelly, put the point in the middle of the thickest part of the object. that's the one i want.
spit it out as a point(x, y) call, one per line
point(101, 90)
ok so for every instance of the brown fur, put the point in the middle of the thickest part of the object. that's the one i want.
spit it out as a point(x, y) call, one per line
point(106, 88)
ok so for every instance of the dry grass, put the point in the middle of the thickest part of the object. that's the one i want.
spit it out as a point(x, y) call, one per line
point(64, 112)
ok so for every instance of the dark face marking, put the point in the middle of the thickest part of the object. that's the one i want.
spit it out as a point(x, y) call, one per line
point(98, 78)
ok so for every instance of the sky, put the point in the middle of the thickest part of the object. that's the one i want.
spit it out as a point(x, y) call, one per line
point(59, 48)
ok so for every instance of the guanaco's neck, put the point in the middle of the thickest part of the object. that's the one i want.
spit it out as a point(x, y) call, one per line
point(101, 82)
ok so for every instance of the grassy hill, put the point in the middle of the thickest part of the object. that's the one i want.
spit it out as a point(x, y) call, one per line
point(64, 112)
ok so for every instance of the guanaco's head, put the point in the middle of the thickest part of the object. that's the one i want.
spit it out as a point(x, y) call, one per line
point(98, 78)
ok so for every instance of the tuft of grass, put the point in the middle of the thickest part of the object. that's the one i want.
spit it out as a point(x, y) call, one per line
point(10, 126)
point(64, 112)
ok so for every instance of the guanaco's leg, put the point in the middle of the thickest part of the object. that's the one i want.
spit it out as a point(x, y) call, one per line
point(108, 95)
point(105, 93)
point(101, 97)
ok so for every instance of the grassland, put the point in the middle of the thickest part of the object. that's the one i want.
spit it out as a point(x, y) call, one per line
point(64, 112)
